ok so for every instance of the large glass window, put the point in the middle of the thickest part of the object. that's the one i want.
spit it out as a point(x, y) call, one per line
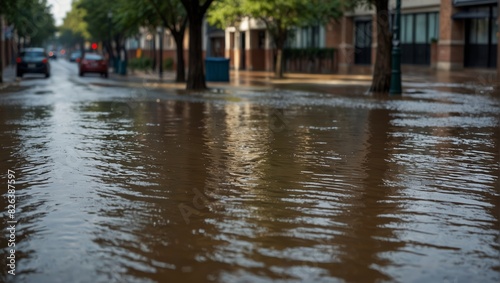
point(314, 36)
point(433, 27)
point(421, 28)
point(309, 37)
point(408, 26)
point(360, 39)
point(478, 31)
point(363, 34)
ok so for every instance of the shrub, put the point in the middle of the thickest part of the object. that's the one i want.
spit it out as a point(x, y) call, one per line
point(140, 63)
point(168, 64)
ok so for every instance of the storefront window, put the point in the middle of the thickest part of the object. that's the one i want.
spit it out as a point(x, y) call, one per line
point(433, 27)
point(478, 31)
point(420, 28)
point(407, 26)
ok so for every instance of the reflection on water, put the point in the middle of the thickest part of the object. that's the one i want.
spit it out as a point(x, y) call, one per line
point(280, 185)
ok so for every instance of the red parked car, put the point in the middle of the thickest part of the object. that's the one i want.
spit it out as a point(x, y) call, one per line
point(93, 63)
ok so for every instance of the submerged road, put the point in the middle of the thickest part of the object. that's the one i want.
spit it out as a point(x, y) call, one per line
point(120, 182)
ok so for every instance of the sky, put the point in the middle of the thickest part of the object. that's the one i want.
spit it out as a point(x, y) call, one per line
point(59, 9)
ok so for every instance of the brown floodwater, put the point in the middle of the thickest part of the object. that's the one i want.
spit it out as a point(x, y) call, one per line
point(251, 186)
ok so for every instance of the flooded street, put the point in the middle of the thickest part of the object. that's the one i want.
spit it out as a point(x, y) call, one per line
point(140, 184)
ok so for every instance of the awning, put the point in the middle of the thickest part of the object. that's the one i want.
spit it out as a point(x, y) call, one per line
point(460, 3)
point(470, 15)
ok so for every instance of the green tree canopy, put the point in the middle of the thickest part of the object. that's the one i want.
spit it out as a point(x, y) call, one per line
point(153, 13)
point(32, 19)
point(74, 29)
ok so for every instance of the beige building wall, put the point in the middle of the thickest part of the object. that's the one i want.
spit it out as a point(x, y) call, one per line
point(256, 54)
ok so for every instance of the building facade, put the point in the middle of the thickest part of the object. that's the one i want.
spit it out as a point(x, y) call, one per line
point(446, 34)
point(248, 46)
point(442, 34)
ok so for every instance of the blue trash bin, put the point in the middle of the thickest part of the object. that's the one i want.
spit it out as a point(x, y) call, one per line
point(123, 67)
point(217, 69)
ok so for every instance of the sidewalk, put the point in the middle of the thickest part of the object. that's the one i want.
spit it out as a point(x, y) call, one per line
point(9, 77)
point(411, 75)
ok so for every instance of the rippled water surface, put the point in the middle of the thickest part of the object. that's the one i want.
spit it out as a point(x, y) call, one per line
point(241, 186)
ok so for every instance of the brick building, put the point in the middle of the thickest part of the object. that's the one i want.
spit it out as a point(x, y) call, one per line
point(446, 34)
point(443, 34)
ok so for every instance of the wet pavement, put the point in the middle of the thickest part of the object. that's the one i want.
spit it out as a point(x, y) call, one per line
point(127, 182)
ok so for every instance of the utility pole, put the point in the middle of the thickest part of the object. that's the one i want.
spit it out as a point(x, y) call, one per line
point(396, 88)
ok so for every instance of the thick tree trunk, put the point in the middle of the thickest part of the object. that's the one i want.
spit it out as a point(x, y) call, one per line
point(111, 53)
point(118, 46)
point(382, 70)
point(154, 54)
point(180, 75)
point(280, 41)
point(196, 73)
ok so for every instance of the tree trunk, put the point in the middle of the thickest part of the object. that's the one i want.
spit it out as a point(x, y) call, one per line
point(278, 71)
point(180, 75)
point(196, 73)
point(111, 53)
point(154, 53)
point(382, 70)
point(125, 54)
point(280, 41)
point(118, 47)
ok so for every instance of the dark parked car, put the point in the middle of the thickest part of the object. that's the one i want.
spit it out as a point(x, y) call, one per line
point(33, 60)
point(93, 63)
point(53, 54)
point(75, 56)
